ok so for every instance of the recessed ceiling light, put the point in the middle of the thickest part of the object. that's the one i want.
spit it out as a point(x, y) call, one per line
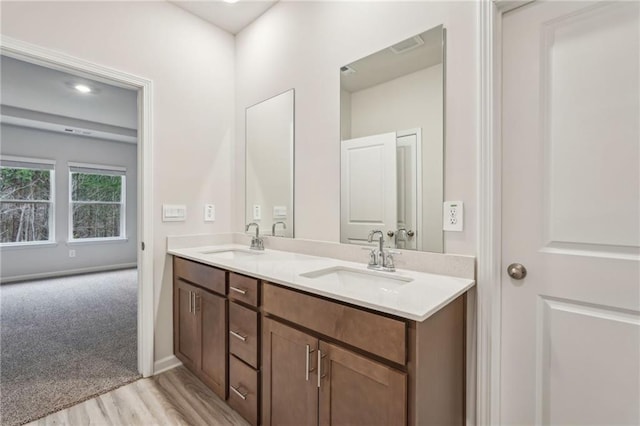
point(82, 88)
point(230, 1)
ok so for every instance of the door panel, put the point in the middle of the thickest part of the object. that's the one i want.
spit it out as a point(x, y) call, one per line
point(368, 186)
point(571, 197)
point(356, 390)
point(187, 340)
point(289, 396)
point(409, 196)
point(213, 334)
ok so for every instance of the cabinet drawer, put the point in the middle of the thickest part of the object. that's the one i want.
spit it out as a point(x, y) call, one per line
point(243, 333)
point(243, 289)
point(243, 390)
point(377, 334)
point(205, 276)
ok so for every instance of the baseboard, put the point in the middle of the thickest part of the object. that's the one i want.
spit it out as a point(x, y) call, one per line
point(166, 363)
point(55, 274)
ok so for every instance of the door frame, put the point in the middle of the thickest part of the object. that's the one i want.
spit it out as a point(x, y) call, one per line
point(489, 201)
point(60, 61)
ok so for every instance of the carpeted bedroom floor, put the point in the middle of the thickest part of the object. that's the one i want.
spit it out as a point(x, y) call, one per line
point(64, 340)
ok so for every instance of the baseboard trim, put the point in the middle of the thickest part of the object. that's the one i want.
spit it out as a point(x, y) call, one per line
point(166, 363)
point(55, 274)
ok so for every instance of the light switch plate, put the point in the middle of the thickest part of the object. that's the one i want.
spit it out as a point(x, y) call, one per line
point(257, 212)
point(209, 213)
point(174, 212)
point(280, 212)
point(453, 216)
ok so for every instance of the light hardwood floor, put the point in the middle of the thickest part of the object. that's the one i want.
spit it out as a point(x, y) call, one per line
point(175, 397)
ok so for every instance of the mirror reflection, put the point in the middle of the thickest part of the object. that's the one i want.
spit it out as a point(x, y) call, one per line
point(269, 165)
point(392, 146)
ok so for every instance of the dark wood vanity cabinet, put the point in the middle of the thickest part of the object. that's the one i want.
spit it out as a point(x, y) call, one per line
point(285, 357)
point(200, 322)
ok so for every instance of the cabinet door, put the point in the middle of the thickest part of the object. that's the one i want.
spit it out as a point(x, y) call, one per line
point(186, 338)
point(212, 311)
point(289, 389)
point(355, 390)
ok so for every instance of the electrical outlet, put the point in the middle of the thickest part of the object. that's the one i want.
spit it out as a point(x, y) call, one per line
point(452, 215)
point(257, 212)
point(72, 253)
point(209, 212)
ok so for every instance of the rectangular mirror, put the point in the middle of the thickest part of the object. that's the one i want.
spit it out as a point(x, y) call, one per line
point(269, 165)
point(392, 144)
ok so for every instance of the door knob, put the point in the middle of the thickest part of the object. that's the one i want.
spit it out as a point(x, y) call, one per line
point(390, 233)
point(517, 271)
point(410, 233)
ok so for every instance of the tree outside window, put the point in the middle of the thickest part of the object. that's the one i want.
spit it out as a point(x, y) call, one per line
point(26, 201)
point(97, 203)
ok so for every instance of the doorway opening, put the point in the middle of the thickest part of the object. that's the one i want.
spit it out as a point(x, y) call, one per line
point(86, 198)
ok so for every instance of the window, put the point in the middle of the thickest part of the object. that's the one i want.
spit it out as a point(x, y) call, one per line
point(97, 202)
point(26, 201)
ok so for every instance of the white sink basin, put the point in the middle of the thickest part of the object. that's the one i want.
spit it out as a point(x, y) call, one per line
point(357, 279)
point(231, 253)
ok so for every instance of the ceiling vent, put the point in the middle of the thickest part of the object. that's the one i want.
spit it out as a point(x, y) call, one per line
point(407, 45)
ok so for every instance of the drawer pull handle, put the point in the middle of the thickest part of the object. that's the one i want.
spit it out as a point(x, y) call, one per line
point(237, 290)
point(236, 390)
point(309, 351)
point(238, 335)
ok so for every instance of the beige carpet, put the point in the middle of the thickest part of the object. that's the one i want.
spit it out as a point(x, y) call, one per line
point(64, 340)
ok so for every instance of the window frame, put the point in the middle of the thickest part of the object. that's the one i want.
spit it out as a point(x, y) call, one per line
point(43, 164)
point(98, 169)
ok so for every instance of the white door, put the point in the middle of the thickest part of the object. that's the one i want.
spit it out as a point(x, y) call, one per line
point(409, 195)
point(368, 187)
point(571, 195)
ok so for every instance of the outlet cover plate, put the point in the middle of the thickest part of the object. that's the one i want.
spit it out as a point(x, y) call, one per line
point(453, 216)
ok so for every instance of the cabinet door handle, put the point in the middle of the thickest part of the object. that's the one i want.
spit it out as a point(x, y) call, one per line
point(320, 375)
point(308, 353)
point(238, 335)
point(236, 390)
point(190, 302)
point(238, 290)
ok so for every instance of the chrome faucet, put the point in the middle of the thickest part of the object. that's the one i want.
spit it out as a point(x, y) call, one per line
point(256, 242)
point(380, 258)
point(273, 228)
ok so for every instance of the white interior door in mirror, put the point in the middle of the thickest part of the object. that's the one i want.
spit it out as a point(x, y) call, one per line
point(369, 187)
point(409, 203)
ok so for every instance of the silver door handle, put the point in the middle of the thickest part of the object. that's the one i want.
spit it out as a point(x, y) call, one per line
point(320, 375)
point(238, 335)
point(238, 290)
point(237, 392)
point(308, 353)
point(190, 302)
point(517, 271)
point(410, 233)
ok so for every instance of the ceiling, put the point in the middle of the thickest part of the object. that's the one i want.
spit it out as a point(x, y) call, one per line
point(40, 97)
point(385, 65)
point(231, 17)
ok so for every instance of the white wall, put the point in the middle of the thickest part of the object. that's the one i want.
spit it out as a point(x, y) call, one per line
point(191, 64)
point(302, 45)
point(25, 261)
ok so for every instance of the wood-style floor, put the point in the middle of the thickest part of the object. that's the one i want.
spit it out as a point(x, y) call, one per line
point(175, 397)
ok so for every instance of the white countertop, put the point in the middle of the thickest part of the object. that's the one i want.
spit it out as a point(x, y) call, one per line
point(416, 300)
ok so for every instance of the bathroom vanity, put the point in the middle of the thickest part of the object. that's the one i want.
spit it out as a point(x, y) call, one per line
point(288, 338)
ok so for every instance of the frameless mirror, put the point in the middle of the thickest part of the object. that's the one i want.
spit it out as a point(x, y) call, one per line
point(392, 144)
point(269, 165)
